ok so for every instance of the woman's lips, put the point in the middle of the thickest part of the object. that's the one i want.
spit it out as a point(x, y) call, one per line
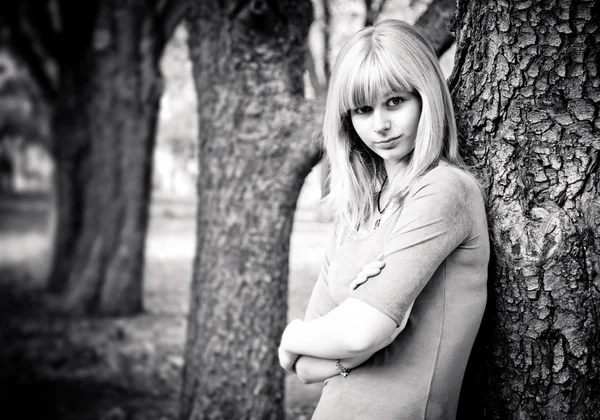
point(387, 141)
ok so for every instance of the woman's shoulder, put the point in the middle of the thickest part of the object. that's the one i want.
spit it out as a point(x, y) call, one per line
point(451, 177)
point(449, 180)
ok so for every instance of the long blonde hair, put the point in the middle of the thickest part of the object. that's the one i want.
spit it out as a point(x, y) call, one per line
point(389, 57)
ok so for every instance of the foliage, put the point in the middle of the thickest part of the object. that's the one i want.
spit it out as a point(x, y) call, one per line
point(23, 111)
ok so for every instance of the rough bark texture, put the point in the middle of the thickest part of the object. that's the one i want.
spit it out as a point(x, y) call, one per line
point(104, 125)
point(436, 20)
point(526, 89)
point(254, 155)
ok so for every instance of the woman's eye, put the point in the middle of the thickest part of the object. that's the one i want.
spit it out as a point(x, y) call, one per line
point(362, 110)
point(395, 101)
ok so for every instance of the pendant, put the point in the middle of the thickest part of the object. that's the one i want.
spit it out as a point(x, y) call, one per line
point(377, 222)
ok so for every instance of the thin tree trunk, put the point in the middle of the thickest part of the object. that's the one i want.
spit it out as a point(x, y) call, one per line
point(254, 155)
point(318, 64)
point(104, 125)
point(436, 21)
point(373, 10)
point(526, 89)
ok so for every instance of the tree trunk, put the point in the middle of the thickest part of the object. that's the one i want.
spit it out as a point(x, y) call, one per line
point(254, 155)
point(526, 89)
point(104, 124)
point(318, 52)
point(372, 11)
point(436, 21)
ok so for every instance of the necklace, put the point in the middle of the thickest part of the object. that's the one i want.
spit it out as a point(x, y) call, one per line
point(379, 209)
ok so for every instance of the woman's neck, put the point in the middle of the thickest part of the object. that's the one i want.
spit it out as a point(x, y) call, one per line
point(393, 168)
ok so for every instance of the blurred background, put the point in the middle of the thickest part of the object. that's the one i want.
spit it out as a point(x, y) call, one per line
point(130, 367)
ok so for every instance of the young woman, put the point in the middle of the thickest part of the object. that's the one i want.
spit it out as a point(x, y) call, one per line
point(397, 305)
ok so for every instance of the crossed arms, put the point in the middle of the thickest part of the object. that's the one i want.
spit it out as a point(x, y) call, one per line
point(435, 220)
point(313, 346)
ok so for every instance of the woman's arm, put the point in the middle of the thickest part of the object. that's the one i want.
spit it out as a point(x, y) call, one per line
point(434, 221)
point(313, 369)
point(354, 328)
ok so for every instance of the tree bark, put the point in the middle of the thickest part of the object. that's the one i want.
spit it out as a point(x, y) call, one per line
point(255, 153)
point(104, 126)
point(526, 90)
point(436, 21)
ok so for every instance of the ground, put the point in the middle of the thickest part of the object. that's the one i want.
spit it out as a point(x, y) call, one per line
point(116, 368)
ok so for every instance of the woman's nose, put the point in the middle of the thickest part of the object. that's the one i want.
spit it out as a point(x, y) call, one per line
point(380, 123)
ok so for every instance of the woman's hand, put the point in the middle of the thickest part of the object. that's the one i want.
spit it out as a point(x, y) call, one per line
point(287, 359)
point(372, 269)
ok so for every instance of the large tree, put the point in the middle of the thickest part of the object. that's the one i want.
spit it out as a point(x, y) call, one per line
point(527, 92)
point(255, 151)
point(97, 63)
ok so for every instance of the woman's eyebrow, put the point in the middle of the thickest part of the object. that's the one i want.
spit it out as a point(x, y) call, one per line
point(392, 94)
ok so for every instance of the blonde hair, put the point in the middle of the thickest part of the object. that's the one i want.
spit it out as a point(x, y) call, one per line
point(389, 57)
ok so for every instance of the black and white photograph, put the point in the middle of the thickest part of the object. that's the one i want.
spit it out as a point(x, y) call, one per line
point(300, 210)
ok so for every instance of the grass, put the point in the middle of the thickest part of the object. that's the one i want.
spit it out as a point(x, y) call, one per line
point(117, 368)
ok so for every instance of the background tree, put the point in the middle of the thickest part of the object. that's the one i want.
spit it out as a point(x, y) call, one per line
point(22, 109)
point(373, 9)
point(526, 89)
point(97, 64)
point(255, 152)
point(436, 21)
point(317, 55)
point(23, 117)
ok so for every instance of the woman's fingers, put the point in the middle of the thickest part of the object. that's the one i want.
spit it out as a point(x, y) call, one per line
point(375, 264)
point(357, 282)
point(361, 279)
point(372, 269)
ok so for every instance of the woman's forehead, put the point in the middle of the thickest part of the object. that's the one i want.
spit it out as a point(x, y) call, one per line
point(369, 86)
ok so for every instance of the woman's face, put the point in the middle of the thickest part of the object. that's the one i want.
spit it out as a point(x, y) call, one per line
point(389, 126)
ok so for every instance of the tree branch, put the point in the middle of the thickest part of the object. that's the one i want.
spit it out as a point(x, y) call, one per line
point(436, 22)
point(373, 11)
point(40, 26)
point(317, 60)
point(22, 46)
point(169, 14)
